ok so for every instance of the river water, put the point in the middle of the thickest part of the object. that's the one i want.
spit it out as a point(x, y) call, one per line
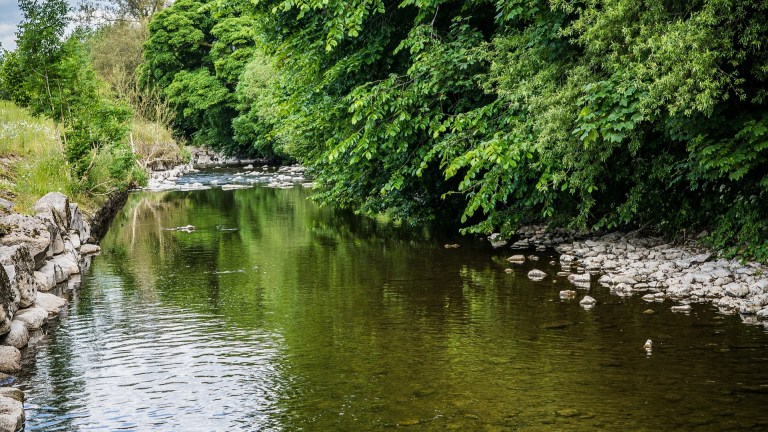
point(277, 315)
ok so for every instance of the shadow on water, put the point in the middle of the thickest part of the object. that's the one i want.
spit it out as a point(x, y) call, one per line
point(275, 314)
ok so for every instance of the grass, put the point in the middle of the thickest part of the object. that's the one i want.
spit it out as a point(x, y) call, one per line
point(24, 135)
point(33, 163)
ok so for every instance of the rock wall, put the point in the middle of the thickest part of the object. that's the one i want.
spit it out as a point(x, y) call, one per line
point(38, 254)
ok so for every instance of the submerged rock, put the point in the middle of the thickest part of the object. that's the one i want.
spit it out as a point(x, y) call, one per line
point(681, 308)
point(536, 275)
point(516, 259)
point(588, 301)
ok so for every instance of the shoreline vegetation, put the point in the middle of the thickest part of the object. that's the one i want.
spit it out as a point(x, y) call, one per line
point(492, 115)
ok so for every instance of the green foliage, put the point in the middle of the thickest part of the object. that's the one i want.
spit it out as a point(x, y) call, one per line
point(599, 114)
point(196, 54)
point(53, 76)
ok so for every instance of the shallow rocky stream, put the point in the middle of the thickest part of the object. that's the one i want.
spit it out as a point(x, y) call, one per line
point(272, 314)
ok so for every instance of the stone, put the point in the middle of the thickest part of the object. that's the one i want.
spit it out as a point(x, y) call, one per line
point(57, 241)
point(8, 302)
point(762, 314)
point(18, 261)
point(6, 205)
point(567, 294)
point(749, 308)
point(12, 416)
point(13, 393)
point(516, 259)
point(51, 303)
point(34, 317)
point(46, 277)
point(681, 308)
point(67, 265)
point(701, 258)
point(30, 231)
point(56, 204)
point(679, 290)
point(18, 336)
point(10, 359)
point(567, 259)
point(588, 301)
point(536, 275)
point(735, 289)
point(580, 279)
point(77, 222)
point(762, 284)
point(88, 249)
point(74, 237)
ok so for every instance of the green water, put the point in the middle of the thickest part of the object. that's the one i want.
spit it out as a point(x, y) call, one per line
point(275, 315)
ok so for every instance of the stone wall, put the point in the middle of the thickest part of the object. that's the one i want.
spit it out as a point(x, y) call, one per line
point(39, 255)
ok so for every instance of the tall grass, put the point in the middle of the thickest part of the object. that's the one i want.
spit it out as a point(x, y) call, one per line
point(33, 163)
point(24, 135)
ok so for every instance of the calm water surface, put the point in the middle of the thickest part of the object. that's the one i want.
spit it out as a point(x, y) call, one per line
point(276, 315)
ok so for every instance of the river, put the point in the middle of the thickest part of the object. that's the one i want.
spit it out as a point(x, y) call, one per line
point(277, 315)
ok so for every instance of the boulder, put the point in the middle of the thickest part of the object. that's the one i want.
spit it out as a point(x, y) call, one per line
point(18, 336)
point(57, 205)
point(10, 359)
point(19, 262)
point(51, 303)
point(11, 412)
point(34, 317)
point(30, 231)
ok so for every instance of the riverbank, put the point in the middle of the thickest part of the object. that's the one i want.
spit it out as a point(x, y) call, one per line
point(657, 270)
point(41, 256)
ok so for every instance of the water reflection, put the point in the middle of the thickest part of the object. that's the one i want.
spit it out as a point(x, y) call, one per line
point(312, 319)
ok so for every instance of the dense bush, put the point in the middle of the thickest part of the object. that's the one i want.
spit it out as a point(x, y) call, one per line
point(599, 114)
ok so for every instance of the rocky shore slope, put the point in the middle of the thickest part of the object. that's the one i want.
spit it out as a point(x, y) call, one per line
point(652, 268)
point(39, 256)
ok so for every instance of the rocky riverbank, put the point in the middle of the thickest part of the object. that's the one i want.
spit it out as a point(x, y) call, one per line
point(39, 255)
point(652, 268)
